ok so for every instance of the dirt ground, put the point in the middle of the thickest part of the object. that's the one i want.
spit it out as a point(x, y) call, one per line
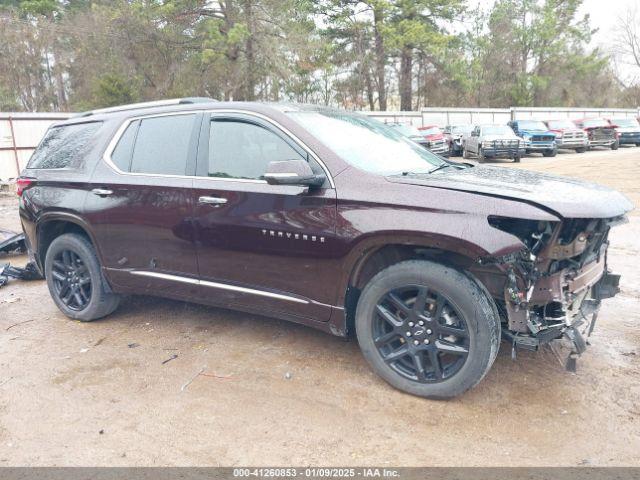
point(274, 393)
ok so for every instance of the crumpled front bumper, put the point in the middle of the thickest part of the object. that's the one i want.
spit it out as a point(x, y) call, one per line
point(574, 299)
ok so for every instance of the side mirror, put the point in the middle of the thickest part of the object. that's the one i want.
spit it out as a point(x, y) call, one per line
point(292, 172)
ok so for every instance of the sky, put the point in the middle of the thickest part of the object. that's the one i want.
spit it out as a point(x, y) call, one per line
point(603, 16)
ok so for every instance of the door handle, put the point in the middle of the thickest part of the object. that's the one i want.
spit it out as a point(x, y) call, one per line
point(101, 192)
point(212, 200)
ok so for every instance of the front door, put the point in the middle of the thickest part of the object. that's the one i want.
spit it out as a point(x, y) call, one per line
point(261, 247)
point(471, 143)
point(141, 207)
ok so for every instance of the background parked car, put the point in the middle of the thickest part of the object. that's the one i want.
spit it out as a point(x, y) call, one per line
point(493, 141)
point(628, 130)
point(536, 136)
point(600, 132)
point(410, 132)
point(435, 139)
point(454, 134)
point(568, 136)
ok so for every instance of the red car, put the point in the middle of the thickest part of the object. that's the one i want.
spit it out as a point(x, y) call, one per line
point(436, 142)
point(600, 132)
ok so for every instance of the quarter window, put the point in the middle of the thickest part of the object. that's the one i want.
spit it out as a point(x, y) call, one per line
point(61, 146)
point(240, 149)
point(123, 152)
point(156, 145)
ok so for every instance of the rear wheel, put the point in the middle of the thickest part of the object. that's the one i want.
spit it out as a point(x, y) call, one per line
point(427, 329)
point(615, 145)
point(581, 149)
point(481, 157)
point(75, 279)
point(516, 159)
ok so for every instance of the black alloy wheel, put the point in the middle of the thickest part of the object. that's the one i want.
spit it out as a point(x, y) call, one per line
point(72, 280)
point(420, 334)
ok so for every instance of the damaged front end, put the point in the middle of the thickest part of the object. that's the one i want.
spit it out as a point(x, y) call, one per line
point(553, 287)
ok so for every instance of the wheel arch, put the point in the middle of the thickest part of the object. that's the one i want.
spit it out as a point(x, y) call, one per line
point(375, 254)
point(53, 224)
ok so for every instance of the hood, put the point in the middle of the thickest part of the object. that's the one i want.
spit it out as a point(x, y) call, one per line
point(628, 129)
point(604, 127)
point(536, 132)
point(434, 136)
point(565, 196)
point(490, 138)
point(556, 131)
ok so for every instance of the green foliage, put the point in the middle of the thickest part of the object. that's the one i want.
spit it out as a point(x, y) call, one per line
point(112, 89)
point(74, 54)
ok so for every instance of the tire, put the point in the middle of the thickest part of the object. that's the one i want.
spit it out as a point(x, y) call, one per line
point(451, 291)
point(581, 149)
point(481, 157)
point(465, 154)
point(550, 153)
point(516, 159)
point(615, 145)
point(91, 300)
point(637, 144)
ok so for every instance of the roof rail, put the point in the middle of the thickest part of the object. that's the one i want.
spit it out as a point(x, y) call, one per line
point(157, 103)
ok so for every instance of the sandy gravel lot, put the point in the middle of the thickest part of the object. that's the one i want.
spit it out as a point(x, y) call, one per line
point(274, 393)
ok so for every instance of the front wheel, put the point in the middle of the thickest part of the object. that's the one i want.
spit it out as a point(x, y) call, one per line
point(615, 145)
point(427, 329)
point(550, 153)
point(481, 156)
point(75, 279)
point(581, 149)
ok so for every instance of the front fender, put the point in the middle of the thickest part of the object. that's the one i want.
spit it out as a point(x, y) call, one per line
point(465, 235)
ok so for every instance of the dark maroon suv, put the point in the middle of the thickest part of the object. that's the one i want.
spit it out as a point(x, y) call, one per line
point(320, 217)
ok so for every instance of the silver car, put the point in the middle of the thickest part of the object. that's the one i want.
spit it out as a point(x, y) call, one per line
point(493, 141)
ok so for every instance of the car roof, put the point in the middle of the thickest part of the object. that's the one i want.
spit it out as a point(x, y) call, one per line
point(187, 104)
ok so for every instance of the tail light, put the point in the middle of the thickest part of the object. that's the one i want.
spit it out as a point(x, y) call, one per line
point(22, 183)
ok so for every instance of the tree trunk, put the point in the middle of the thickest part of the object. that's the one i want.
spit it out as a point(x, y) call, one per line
point(249, 51)
point(381, 58)
point(369, 85)
point(406, 68)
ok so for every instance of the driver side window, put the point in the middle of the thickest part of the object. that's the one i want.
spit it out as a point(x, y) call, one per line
point(242, 150)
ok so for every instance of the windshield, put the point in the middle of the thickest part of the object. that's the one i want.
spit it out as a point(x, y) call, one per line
point(430, 130)
point(561, 124)
point(367, 144)
point(461, 128)
point(497, 130)
point(625, 122)
point(406, 130)
point(596, 122)
point(532, 125)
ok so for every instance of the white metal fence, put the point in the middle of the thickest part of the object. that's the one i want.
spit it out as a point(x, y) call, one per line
point(451, 116)
point(20, 133)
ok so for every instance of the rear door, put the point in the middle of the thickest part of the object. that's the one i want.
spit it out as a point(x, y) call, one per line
point(142, 208)
point(261, 247)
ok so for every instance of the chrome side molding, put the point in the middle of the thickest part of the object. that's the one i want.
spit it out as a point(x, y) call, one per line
point(221, 286)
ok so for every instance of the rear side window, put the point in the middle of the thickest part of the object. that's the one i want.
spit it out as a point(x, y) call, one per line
point(157, 145)
point(62, 146)
point(239, 149)
point(123, 152)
